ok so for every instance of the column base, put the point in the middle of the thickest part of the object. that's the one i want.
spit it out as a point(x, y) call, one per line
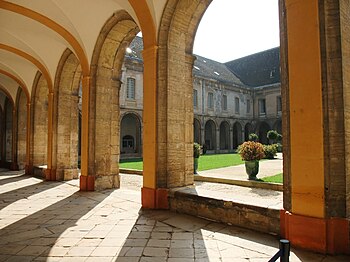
point(50, 174)
point(107, 181)
point(28, 169)
point(87, 183)
point(14, 167)
point(154, 198)
point(324, 235)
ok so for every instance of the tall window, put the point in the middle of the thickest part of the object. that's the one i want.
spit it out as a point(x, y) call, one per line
point(279, 104)
point(248, 106)
point(195, 98)
point(262, 107)
point(236, 105)
point(210, 100)
point(224, 102)
point(130, 88)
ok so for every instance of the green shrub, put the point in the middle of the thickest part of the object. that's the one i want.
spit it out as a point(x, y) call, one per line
point(196, 150)
point(253, 137)
point(270, 151)
point(251, 150)
point(272, 136)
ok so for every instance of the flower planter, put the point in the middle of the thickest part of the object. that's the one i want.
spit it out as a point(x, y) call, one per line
point(195, 165)
point(252, 169)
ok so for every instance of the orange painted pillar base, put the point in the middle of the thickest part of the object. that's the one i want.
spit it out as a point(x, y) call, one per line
point(50, 174)
point(87, 183)
point(327, 236)
point(154, 198)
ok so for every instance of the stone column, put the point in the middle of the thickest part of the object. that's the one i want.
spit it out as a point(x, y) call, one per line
point(217, 142)
point(14, 165)
point(87, 182)
point(50, 174)
point(150, 196)
point(28, 166)
point(314, 215)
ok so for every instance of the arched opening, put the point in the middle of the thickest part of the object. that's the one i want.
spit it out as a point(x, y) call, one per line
point(248, 129)
point(262, 131)
point(130, 134)
point(66, 130)
point(224, 136)
point(106, 79)
point(210, 135)
point(197, 131)
point(237, 135)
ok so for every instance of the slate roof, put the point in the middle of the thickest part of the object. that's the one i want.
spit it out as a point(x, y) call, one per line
point(258, 69)
point(211, 69)
point(254, 70)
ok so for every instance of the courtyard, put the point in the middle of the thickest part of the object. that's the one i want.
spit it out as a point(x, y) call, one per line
point(54, 221)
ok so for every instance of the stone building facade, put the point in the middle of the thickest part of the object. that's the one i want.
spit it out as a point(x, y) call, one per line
point(227, 108)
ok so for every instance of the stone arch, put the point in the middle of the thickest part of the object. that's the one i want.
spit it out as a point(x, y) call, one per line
point(65, 156)
point(236, 135)
point(107, 59)
point(21, 105)
point(197, 137)
point(176, 35)
point(224, 135)
point(248, 129)
point(210, 135)
point(262, 131)
point(39, 101)
point(130, 135)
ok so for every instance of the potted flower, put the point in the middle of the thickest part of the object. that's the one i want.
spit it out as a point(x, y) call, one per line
point(251, 152)
point(196, 154)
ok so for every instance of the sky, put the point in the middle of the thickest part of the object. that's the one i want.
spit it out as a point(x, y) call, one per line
point(231, 29)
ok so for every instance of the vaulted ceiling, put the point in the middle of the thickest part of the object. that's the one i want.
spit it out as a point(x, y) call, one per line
point(35, 33)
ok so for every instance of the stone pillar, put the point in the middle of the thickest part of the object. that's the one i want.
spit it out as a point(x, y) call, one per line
point(150, 196)
point(314, 215)
point(107, 167)
point(87, 182)
point(231, 139)
point(14, 165)
point(28, 166)
point(50, 174)
point(217, 142)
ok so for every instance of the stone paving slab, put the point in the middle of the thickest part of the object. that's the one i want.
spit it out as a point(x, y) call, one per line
point(54, 221)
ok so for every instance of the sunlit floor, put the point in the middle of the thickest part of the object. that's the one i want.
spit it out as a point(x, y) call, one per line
point(53, 221)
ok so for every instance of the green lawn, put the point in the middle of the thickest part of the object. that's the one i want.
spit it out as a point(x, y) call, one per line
point(131, 163)
point(206, 162)
point(274, 179)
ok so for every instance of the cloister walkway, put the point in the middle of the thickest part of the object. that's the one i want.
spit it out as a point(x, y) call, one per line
point(54, 221)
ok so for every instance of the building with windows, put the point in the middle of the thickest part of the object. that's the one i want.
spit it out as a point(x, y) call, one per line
point(230, 100)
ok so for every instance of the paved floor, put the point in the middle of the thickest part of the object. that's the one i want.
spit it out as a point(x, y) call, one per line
point(53, 221)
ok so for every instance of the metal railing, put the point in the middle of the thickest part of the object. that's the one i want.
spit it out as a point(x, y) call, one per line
point(283, 252)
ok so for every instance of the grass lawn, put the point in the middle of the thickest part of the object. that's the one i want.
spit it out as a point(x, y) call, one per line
point(274, 179)
point(206, 162)
point(135, 163)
